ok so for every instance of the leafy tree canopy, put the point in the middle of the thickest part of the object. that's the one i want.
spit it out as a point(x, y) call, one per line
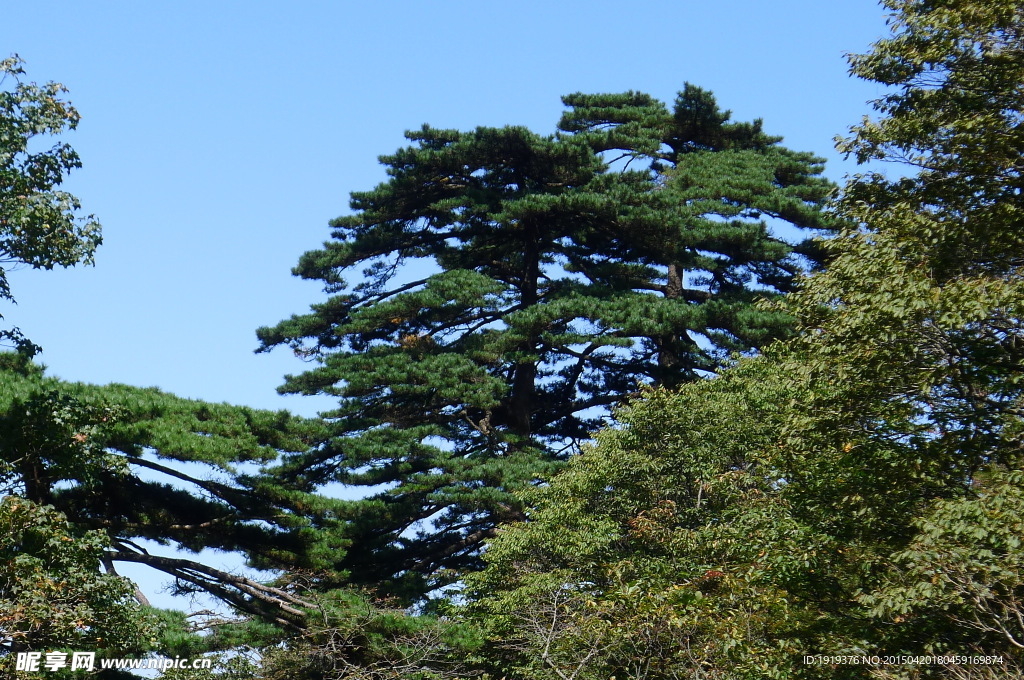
point(919, 313)
point(667, 549)
point(52, 595)
point(40, 225)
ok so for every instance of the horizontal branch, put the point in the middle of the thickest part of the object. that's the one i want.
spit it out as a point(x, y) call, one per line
point(244, 593)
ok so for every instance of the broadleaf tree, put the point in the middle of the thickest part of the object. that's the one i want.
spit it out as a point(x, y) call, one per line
point(502, 289)
point(53, 595)
point(670, 549)
point(920, 317)
point(40, 225)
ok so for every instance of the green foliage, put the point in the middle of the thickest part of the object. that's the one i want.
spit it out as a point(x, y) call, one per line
point(356, 638)
point(857, 490)
point(703, 539)
point(141, 464)
point(963, 575)
point(348, 635)
point(224, 666)
point(673, 549)
point(514, 286)
point(40, 225)
point(952, 111)
point(918, 323)
point(52, 595)
point(925, 304)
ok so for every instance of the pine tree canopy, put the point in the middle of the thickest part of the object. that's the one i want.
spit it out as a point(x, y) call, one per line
point(502, 289)
point(139, 464)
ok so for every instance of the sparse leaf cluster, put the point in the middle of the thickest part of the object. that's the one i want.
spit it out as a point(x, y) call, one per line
point(40, 225)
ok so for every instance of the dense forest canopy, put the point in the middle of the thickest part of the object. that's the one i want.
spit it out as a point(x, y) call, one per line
point(814, 451)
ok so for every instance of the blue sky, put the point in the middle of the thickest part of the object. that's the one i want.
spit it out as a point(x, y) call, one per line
point(218, 138)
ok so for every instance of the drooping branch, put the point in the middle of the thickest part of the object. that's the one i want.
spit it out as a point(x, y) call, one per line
point(248, 595)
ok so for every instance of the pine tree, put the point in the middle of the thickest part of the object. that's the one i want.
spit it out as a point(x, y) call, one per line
point(133, 463)
point(514, 286)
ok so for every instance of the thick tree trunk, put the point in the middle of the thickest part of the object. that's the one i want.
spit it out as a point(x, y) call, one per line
point(668, 358)
point(524, 378)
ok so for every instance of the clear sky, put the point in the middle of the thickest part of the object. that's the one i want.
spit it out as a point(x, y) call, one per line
point(218, 138)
